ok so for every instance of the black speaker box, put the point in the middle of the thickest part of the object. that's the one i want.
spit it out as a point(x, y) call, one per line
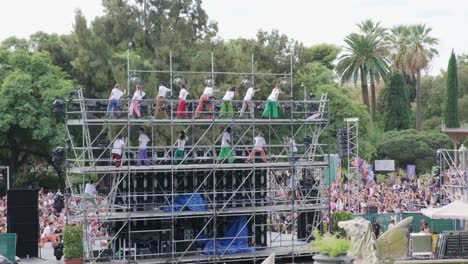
point(23, 219)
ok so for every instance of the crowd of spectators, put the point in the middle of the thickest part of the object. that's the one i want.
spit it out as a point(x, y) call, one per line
point(53, 215)
point(403, 195)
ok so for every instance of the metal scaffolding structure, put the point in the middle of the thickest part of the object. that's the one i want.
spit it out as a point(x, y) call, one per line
point(276, 203)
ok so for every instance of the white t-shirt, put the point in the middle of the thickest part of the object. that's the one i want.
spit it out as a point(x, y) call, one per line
point(90, 189)
point(249, 94)
point(181, 143)
point(143, 139)
point(293, 144)
point(118, 146)
point(163, 90)
point(47, 231)
point(259, 143)
point(274, 95)
point(226, 139)
point(116, 94)
point(209, 91)
point(138, 95)
point(183, 94)
point(228, 96)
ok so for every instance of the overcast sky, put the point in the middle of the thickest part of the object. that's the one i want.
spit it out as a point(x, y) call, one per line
point(308, 21)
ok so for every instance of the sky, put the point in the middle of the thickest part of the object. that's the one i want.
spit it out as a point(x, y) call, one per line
point(308, 21)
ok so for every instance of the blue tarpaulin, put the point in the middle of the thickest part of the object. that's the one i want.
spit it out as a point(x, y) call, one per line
point(235, 241)
point(192, 202)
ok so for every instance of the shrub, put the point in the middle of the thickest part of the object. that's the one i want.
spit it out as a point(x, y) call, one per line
point(73, 242)
point(337, 217)
point(329, 244)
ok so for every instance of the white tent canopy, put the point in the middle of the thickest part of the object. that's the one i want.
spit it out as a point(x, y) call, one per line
point(455, 210)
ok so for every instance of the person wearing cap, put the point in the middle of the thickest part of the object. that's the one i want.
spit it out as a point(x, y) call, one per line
point(113, 105)
point(163, 90)
point(271, 106)
point(208, 93)
point(136, 101)
point(226, 151)
point(226, 105)
point(248, 102)
point(182, 100)
point(143, 142)
point(259, 144)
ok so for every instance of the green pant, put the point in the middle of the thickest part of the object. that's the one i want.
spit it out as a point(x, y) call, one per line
point(226, 109)
point(179, 154)
point(271, 106)
point(226, 152)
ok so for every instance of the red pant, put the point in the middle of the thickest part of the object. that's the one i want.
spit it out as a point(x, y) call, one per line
point(118, 159)
point(202, 103)
point(181, 109)
point(254, 151)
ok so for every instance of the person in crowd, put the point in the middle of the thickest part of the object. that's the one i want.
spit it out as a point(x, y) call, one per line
point(182, 100)
point(425, 228)
point(259, 145)
point(248, 102)
point(114, 98)
point(205, 98)
point(292, 147)
point(376, 227)
point(143, 140)
point(226, 105)
point(88, 196)
point(117, 150)
point(180, 151)
point(136, 101)
point(271, 105)
point(48, 235)
point(163, 90)
point(226, 151)
point(392, 223)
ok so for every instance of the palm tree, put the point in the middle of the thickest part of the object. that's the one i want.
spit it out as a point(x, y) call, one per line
point(364, 56)
point(369, 28)
point(412, 51)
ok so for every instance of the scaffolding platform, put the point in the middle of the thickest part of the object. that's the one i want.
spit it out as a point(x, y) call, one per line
point(278, 202)
point(191, 167)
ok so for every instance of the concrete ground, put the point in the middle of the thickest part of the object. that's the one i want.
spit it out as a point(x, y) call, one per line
point(47, 255)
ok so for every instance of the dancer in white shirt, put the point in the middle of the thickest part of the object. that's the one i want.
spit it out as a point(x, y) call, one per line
point(248, 102)
point(143, 142)
point(259, 144)
point(204, 102)
point(136, 101)
point(180, 151)
point(182, 100)
point(272, 100)
point(113, 105)
point(163, 90)
point(226, 105)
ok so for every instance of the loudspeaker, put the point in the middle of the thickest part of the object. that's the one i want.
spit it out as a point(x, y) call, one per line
point(23, 219)
point(304, 225)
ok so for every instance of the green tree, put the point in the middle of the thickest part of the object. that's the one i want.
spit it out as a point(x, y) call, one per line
point(450, 112)
point(323, 53)
point(363, 56)
point(28, 129)
point(397, 112)
point(370, 28)
point(413, 49)
point(408, 147)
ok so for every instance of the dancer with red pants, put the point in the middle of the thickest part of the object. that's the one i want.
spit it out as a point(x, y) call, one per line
point(182, 100)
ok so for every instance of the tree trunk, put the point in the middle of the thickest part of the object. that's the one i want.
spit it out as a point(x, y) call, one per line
point(418, 101)
point(365, 90)
point(372, 83)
